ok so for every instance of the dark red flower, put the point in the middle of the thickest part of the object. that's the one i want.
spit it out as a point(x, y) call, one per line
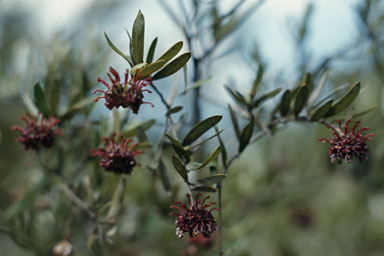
point(195, 218)
point(348, 143)
point(117, 157)
point(127, 95)
point(39, 131)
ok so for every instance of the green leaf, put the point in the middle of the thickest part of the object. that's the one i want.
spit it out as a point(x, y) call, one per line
point(149, 69)
point(200, 128)
point(151, 51)
point(184, 155)
point(173, 66)
point(285, 103)
point(164, 177)
point(317, 90)
point(223, 151)
point(174, 110)
point(234, 121)
point(265, 97)
point(210, 158)
point(307, 80)
point(197, 84)
point(345, 101)
point(364, 112)
point(205, 140)
point(117, 50)
point(236, 96)
point(55, 96)
point(211, 179)
point(40, 100)
point(172, 51)
point(180, 168)
point(205, 189)
point(322, 111)
point(137, 67)
point(138, 38)
point(81, 104)
point(130, 131)
point(300, 99)
point(257, 82)
point(246, 135)
point(335, 91)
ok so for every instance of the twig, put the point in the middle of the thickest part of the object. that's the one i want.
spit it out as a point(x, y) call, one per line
point(161, 97)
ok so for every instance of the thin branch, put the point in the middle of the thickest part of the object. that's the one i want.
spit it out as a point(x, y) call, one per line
point(168, 106)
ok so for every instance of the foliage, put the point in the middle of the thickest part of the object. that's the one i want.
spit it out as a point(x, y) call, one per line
point(274, 199)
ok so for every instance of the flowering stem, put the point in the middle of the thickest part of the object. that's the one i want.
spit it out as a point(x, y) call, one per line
point(221, 252)
point(117, 199)
point(161, 97)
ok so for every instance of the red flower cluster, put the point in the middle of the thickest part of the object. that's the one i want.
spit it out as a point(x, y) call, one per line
point(348, 143)
point(37, 132)
point(195, 218)
point(116, 157)
point(127, 95)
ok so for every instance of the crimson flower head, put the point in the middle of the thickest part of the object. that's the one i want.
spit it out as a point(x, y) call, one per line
point(348, 143)
point(38, 131)
point(128, 94)
point(195, 218)
point(117, 157)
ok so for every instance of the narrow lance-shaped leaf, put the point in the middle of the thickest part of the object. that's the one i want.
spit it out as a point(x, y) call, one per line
point(210, 158)
point(180, 168)
point(265, 97)
point(322, 111)
point(197, 84)
point(151, 51)
point(246, 135)
point(40, 100)
point(137, 67)
point(236, 96)
point(55, 96)
point(131, 130)
point(172, 51)
point(257, 82)
point(345, 101)
point(149, 69)
point(164, 177)
point(234, 122)
point(285, 103)
point(317, 90)
point(184, 155)
point(300, 100)
point(174, 110)
point(173, 66)
point(307, 80)
point(205, 140)
point(200, 128)
point(204, 189)
point(211, 179)
point(113, 47)
point(223, 149)
point(364, 112)
point(138, 38)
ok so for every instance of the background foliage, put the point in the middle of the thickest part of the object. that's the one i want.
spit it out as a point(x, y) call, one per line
point(280, 197)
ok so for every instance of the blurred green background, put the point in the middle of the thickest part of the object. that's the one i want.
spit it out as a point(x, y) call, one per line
point(282, 197)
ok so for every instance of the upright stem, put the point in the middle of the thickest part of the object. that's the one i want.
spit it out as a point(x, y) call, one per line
point(196, 112)
point(221, 252)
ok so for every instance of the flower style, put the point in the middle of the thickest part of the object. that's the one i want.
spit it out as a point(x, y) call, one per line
point(39, 131)
point(117, 157)
point(127, 95)
point(348, 143)
point(195, 218)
